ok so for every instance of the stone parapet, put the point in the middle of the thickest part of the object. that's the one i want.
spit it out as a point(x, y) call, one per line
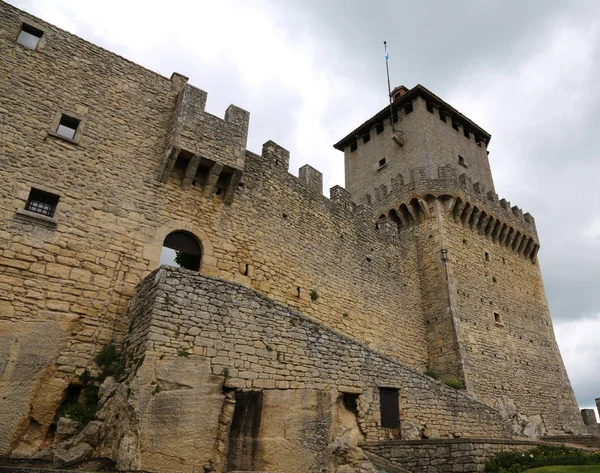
point(448, 183)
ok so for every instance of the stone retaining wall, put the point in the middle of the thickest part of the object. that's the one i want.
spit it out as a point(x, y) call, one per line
point(195, 340)
point(444, 455)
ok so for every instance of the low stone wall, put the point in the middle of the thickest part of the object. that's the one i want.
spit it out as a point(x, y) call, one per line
point(257, 344)
point(196, 343)
point(591, 441)
point(443, 455)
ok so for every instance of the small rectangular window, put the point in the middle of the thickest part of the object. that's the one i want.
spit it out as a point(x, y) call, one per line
point(29, 36)
point(353, 146)
point(41, 202)
point(443, 116)
point(379, 128)
point(389, 408)
point(429, 107)
point(455, 125)
point(462, 162)
point(466, 133)
point(67, 127)
point(367, 138)
point(382, 162)
point(408, 108)
point(486, 256)
point(498, 318)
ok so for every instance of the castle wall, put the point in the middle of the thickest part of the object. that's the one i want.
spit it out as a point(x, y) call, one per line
point(190, 334)
point(78, 269)
point(513, 355)
point(429, 143)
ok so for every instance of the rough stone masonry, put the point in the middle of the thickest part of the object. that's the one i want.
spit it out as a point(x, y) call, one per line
point(416, 266)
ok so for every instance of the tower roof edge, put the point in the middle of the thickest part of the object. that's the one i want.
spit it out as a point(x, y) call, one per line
point(417, 91)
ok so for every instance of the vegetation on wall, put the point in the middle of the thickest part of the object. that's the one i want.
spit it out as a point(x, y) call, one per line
point(432, 374)
point(81, 400)
point(452, 382)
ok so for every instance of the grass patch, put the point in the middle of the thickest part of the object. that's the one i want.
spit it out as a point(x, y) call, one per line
point(553, 459)
point(567, 469)
point(432, 374)
point(452, 382)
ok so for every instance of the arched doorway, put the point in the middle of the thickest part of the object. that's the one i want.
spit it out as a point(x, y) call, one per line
point(181, 249)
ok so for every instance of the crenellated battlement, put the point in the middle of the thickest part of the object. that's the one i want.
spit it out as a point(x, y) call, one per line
point(468, 203)
point(209, 150)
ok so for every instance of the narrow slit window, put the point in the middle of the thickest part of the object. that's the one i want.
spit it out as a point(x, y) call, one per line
point(487, 256)
point(461, 161)
point(41, 202)
point(29, 36)
point(379, 128)
point(67, 127)
point(389, 408)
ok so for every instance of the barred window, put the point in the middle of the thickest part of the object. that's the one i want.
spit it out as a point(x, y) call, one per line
point(41, 202)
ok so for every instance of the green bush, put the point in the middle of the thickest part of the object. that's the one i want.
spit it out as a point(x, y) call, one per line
point(432, 374)
point(84, 409)
point(452, 382)
point(516, 462)
point(107, 355)
point(108, 360)
point(314, 295)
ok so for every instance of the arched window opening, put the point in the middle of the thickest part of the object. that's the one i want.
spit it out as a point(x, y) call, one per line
point(181, 249)
point(394, 217)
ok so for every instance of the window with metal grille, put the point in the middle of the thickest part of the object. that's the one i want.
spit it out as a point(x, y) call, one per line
point(29, 36)
point(389, 408)
point(41, 202)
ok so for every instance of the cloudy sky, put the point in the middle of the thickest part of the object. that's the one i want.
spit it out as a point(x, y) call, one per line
point(309, 71)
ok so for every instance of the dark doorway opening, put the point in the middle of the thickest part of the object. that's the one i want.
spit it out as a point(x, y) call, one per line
point(389, 408)
point(243, 435)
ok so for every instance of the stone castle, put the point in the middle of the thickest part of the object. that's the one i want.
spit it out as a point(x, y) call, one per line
point(298, 333)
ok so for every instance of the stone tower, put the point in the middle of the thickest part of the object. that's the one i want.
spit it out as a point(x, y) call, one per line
point(486, 315)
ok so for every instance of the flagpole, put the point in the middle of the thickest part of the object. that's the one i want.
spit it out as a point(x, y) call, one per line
point(387, 69)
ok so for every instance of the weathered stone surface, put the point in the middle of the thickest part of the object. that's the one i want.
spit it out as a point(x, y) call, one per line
point(107, 388)
point(28, 352)
point(411, 431)
point(77, 453)
point(66, 427)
